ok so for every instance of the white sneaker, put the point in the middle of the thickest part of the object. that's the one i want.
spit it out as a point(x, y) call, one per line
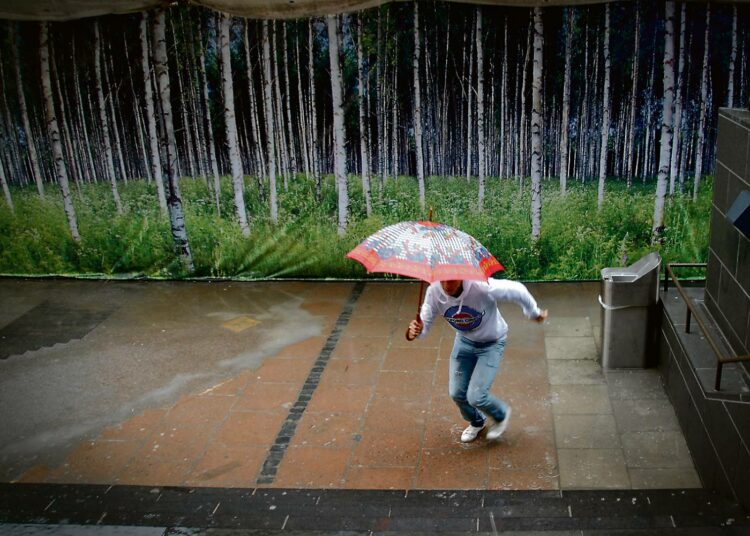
point(497, 429)
point(471, 433)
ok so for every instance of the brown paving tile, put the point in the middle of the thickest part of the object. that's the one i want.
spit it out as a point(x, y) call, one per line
point(149, 471)
point(333, 398)
point(442, 375)
point(359, 372)
point(455, 467)
point(263, 396)
point(329, 310)
point(312, 467)
point(309, 348)
point(395, 448)
point(95, 462)
point(332, 292)
point(284, 370)
point(522, 479)
point(223, 466)
point(415, 386)
point(179, 444)
point(230, 387)
point(528, 411)
point(442, 404)
point(327, 429)
point(36, 474)
point(355, 347)
point(443, 430)
point(196, 411)
point(138, 427)
point(379, 477)
point(394, 414)
point(250, 428)
point(370, 326)
point(410, 359)
point(528, 448)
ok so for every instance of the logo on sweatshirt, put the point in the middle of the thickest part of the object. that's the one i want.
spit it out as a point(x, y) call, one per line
point(466, 320)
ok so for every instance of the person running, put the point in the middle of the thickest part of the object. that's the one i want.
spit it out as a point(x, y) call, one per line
point(470, 307)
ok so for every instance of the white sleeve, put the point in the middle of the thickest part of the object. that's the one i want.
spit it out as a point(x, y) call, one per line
point(427, 313)
point(513, 291)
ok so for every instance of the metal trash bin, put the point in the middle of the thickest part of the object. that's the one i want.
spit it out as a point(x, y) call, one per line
point(629, 298)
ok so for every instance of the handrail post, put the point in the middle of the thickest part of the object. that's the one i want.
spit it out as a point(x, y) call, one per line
point(687, 321)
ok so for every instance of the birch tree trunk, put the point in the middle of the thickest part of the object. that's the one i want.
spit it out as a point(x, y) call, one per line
point(522, 138)
point(363, 137)
point(536, 127)
point(278, 111)
point(665, 148)
point(230, 122)
point(480, 108)
point(36, 173)
point(268, 104)
point(677, 129)
point(339, 135)
point(605, 115)
point(315, 153)
point(151, 117)
point(103, 118)
point(303, 119)
point(703, 111)
point(208, 123)
point(732, 58)
point(418, 107)
point(629, 170)
point(503, 98)
point(288, 103)
point(112, 105)
point(469, 107)
point(54, 133)
point(174, 202)
point(4, 183)
point(565, 126)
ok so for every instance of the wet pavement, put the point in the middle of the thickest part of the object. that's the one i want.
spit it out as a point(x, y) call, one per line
point(311, 385)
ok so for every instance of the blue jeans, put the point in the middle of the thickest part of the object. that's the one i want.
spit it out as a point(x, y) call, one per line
point(473, 367)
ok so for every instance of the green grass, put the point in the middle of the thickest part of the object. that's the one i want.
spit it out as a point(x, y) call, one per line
point(577, 240)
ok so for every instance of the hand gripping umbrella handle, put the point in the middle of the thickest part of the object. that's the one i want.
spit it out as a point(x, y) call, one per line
point(419, 306)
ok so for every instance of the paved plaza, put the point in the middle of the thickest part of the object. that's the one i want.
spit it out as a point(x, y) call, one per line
point(311, 385)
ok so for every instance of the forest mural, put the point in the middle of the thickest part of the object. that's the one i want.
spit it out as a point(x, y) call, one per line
point(189, 143)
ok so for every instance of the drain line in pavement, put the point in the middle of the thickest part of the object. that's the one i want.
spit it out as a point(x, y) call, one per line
point(289, 427)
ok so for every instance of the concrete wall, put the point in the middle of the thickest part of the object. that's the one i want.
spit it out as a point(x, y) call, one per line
point(728, 276)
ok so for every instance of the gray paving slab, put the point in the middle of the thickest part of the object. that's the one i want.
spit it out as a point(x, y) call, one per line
point(580, 399)
point(656, 449)
point(568, 326)
point(570, 348)
point(593, 469)
point(642, 415)
point(664, 478)
point(586, 431)
point(574, 371)
point(634, 384)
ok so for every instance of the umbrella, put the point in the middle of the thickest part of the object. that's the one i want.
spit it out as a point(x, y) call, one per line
point(426, 250)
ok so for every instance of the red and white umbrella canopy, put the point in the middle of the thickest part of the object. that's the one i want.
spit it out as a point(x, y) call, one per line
point(426, 250)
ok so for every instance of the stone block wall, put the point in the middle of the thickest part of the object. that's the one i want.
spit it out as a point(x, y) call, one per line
point(728, 275)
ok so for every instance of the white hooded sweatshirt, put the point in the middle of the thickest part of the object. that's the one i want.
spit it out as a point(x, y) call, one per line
point(474, 313)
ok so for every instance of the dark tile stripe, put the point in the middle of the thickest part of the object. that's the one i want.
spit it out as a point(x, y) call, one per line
point(289, 426)
point(316, 511)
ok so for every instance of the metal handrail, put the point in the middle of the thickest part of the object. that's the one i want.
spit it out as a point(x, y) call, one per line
point(721, 359)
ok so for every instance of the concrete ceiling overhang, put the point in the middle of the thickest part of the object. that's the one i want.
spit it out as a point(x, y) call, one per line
point(60, 10)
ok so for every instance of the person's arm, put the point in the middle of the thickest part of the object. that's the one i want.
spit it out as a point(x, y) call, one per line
point(418, 328)
point(513, 291)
